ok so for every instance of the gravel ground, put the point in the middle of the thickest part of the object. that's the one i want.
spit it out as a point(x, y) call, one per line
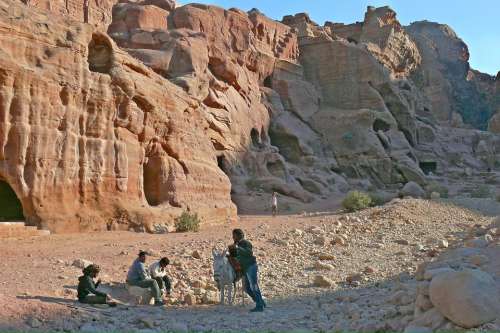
point(319, 272)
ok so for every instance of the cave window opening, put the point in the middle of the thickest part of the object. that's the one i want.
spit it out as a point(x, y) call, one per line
point(268, 82)
point(255, 136)
point(99, 55)
point(380, 125)
point(428, 167)
point(11, 208)
point(222, 163)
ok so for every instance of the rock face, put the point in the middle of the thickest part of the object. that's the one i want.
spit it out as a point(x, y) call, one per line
point(95, 12)
point(196, 107)
point(457, 93)
point(92, 139)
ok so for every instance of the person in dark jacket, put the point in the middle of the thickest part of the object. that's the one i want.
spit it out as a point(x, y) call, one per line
point(87, 289)
point(249, 267)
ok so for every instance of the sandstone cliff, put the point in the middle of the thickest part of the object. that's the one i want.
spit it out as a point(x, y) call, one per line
point(91, 138)
point(153, 109)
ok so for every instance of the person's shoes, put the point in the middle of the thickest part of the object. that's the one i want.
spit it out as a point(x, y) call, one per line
point(257, 309)
point(159, 303)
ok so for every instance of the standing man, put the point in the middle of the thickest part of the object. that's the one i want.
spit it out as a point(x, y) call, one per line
point(274, 203)
point(158, 271)
point(139, 276)
point(248, 263)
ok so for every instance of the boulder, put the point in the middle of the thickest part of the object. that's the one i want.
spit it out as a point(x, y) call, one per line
point(141, 296)
point(468, 298)
point(412, 189)
point(322, 281)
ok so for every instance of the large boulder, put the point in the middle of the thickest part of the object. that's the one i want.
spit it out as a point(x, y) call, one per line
point(468, 298)
point(412, 189)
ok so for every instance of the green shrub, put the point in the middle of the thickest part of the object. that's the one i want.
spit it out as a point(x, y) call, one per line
point(187, 222)
point(481, 191)
point(356, 200)
point(378, 199)
point(435, 187)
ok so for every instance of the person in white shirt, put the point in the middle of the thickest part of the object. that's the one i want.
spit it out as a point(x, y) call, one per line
point(158, 271)
point(274, 203)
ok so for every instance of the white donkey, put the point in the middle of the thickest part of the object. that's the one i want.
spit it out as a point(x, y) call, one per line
point(225, 277)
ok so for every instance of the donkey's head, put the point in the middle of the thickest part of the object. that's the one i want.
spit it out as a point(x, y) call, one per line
point(220, 261)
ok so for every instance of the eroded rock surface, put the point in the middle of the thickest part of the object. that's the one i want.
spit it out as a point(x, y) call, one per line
point(195, 107)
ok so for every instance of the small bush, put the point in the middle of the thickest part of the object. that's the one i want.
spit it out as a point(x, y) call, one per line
point(481, 192)
point(378, 199)
point(356, 200)
point(187, 222)
point(435, 187)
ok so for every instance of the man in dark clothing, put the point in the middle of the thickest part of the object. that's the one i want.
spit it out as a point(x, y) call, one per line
point(139, 276)
point(87, 289)
point(248, 263)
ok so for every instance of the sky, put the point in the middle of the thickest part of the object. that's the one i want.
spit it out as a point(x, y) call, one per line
point(476, 22)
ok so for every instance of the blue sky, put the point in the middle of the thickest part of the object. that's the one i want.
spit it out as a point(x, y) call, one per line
point(476, 22)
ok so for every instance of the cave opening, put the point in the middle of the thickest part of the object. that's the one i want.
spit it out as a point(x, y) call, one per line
point(268, 82)
point(100, 53)
point(222, 163)
point(380, 125)
point(254, 134)
point(11, 208)
point(151, 178)
point(428, 167)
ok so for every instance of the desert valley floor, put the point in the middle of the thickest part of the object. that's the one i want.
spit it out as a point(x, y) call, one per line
point(367, 261)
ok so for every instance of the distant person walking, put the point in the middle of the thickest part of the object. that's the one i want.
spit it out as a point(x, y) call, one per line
point(274, 203)
point(138, 276)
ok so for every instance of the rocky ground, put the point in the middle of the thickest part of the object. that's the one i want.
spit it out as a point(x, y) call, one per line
point(319, 272)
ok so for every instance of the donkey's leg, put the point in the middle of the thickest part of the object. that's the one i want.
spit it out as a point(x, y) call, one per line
point(222, 295)
point(230, 293)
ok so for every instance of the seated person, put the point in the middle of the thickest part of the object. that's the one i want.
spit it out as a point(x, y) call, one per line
point(138, 276)
point(158, 271)
point(87, 289)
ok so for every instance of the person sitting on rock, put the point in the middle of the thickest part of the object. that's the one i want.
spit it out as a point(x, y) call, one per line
point(158, 271)
point(87, 289)
point(248, 263)
point(138, 276)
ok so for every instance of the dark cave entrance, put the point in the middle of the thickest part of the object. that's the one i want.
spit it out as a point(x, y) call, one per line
point(254, 134)
point(10, 206)
point(152, 181)
point(428, 167)
point(380, 125)
point(222, 163)
point(100, 53)
point(268, 82)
